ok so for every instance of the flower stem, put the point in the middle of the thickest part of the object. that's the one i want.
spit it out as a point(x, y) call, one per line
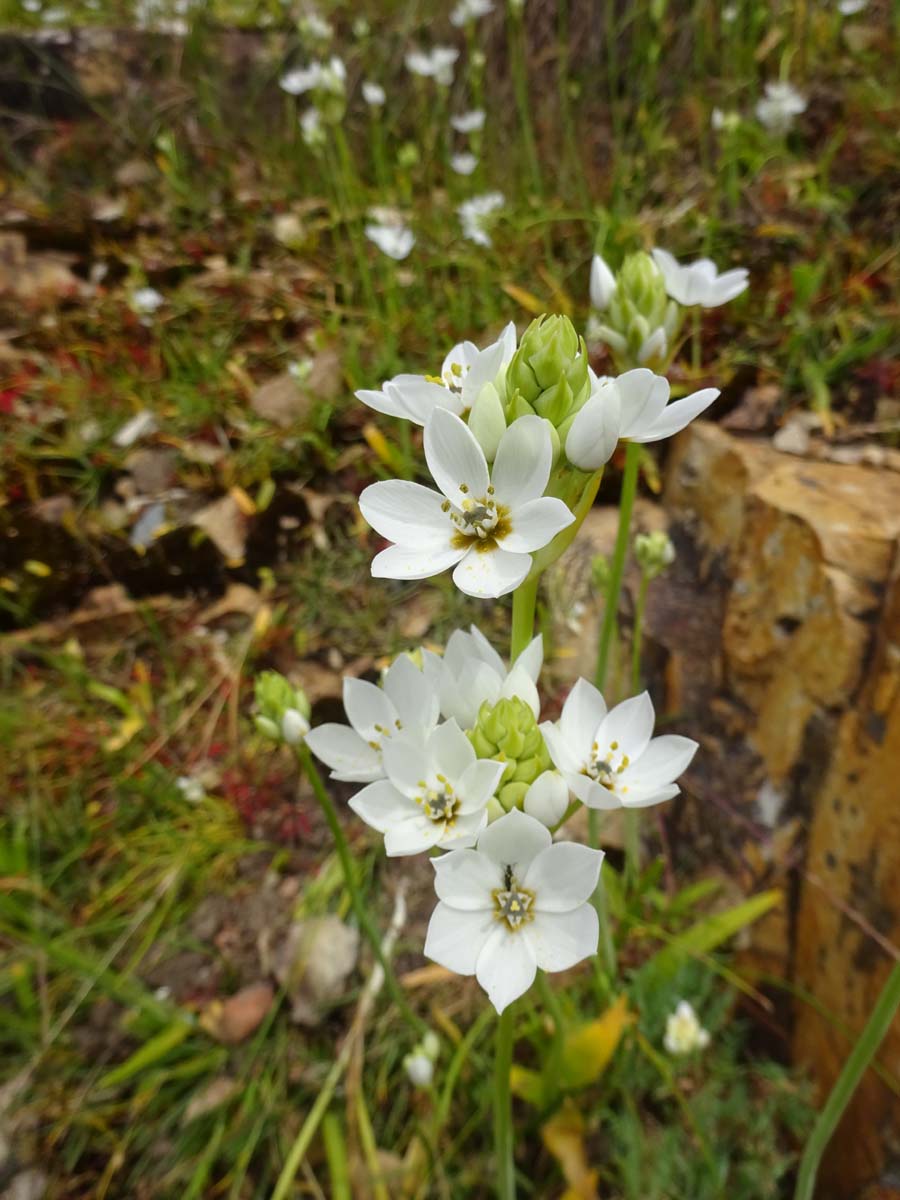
point(365, 922)
point(524, 602)
point(847, 1082)
point(617, 568)
point(503, 1132)
point(696, 338)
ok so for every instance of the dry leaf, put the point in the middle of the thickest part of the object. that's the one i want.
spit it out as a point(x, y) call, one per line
point(226, 526)
point(233, 1020)
point(282, 401)
point(313, 965)
point(563, 1135)
point(588, 1049)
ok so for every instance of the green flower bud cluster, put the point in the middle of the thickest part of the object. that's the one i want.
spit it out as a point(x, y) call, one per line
point(654, 552)
point(508, 732)
point(282, 710)
point(548, 374)
point(640, 320)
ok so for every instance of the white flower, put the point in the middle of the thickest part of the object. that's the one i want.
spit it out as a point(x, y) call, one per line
point(684, 1033)
point(472, 672)
point(406, 703)
point(849, 8)
point(191, 789)
point(610, 759)
point(778, 107)
point(396, 241)
point(603, 284)
point(326, 77)
point(419, 1069)
point(294, 726)
point(465, 373)
point(729, 13)
point(484, 525)
point(436, 792)
point(469, 122)
point(474, 215)
point(699, 282)
point(463, 164)
point(470, 10)
point(314, 26)
point(311, 128)
point(373, 94)
point(633, 406)
point(436, 64)
point(146, 300)
point(721, 120)
point(547, 799)
point(516, 903)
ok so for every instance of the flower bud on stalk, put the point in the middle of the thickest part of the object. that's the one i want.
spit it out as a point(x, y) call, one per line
point(283, 710)
point(509, 732)
point(639, 321)
point(654, 552)
point(548, 374)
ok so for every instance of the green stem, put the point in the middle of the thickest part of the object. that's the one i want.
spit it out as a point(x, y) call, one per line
point(503, 1130)
point(638, 632)
point(617, 570)
point(847, 1082)
point(696, 344)
point(364, 921)
point(524, 602)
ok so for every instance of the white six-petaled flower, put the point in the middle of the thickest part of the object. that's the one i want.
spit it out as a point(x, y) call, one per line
point(484, 524)
point(472, 672)
point(396, 241)
point(407, 704)
point(633, 406)
point(463, 163)
point(779, 106)
point(373, 94)
point(436, 63)
point(436, 792)
point(684, 1033)
point(515, 903)
point(699, 282)
point(469, 122)
point(610, 759)
point(470, 10)
point(475, 216)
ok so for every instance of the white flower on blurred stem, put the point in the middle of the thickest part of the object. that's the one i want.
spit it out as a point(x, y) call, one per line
point(610, 759)
point(146, 301)
point(849, 8)
point(311, 128)
point(396, 241)
point(294, 727)
point(328, 77)
point(314, 26)
point(699, 282)
point(475, 214)
point(470, 10)
point(436, 64)
point(779, 106)
point(419, 1069)
point(515, 903)
point(472, 672)
point(465, 374)
point(684, 1033)
point(484, 525)
point(469, 122)
point(633, 406)
point(463, 164)
point(406, 703)
point(191, 789)
point(721, 120)
point(603, 283)
point(373, 94)
point(436, 792)
point(547, 799)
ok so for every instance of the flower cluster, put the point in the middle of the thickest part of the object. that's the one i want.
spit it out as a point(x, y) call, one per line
point(453, 756)
point(326, 83)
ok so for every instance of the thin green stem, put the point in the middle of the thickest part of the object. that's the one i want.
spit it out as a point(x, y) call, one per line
point(617, 569)
point(696, 338)
point(638, 632)
point(524, 603)
point(503, 1130)
point(365, 922)
point(847, 1082)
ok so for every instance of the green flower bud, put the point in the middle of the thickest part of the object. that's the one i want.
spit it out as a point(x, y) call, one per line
point(508, 732)
point(282, 710)
point(600, 572)
point(654, 552)
point(549, 371)
point(640, 320)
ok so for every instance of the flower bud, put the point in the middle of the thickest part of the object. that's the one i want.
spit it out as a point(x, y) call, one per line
point(508, 731)
point(654, 552)
point(487, 420)
point(549, 371)
point(547, 799)
point(420, 1070)
point(282, 710)
point(639, 320)
point(603, 284)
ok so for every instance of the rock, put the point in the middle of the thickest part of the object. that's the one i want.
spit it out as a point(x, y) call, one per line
point(226, 526)
point(282, 401)
point(313, 964)
point(233, 1020)
point(27, 1185)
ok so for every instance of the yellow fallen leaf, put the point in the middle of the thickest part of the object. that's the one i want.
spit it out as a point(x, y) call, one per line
point(381, 447)
point(526, 1085)
point(130, 726)
point(244, 502)
point(34, 567)
point(588, 1050)
point(527, 300)
point(563, 1135)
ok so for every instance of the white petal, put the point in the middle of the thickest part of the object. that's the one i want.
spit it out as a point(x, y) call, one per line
point(484, 369)
point(414, 562)
point(677, 415)
point(455, 939)
point(532, 658)
point(655, 345)
point(663, 761)
point(348, 755)
point(519, 683)
point(547, 799)
point(383, 401)
point(412, 694)
point(594, 433)
point(643, 797)
point(581, 717)
point(630, 724)
point(672, 274)
point(413, 836)
point(478, 783)
point(643, 397)
point(485, 651)
point(563, 753)
point(591, 793)
point(454, 457)
point(407, 764)
point(560, 940)
point(563, 876)
point(369, 710)
point(419, 397)
point(536, 523)
point(450, 751)
point(381, 805)
point(463, 693)
point(730, 284)
point(603, 284)
point(491, 573)
point(523, 461)
point(505, 967)
point(466, 880)
point(514, 840)
point(407, 513)
point(465, 830)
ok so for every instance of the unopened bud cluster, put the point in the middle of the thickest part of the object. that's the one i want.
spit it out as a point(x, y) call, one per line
point(282, 711)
